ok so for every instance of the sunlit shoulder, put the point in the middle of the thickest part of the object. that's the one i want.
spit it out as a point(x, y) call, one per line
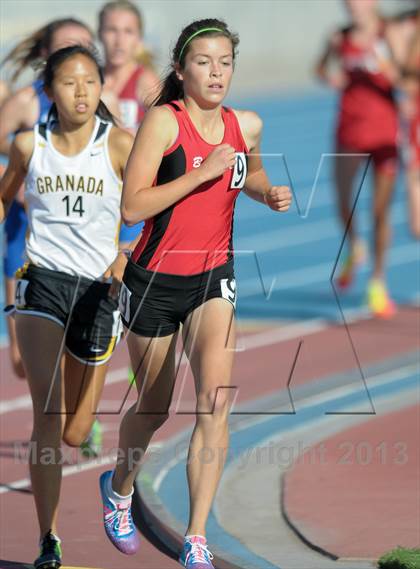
point(251, 126)
point(160, 121)
point(120, 139)
point(24, 145)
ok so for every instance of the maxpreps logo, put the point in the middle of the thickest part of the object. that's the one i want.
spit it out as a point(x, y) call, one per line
point(197, 161)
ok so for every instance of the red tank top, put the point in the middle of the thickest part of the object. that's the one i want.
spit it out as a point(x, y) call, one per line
point(368, 113)
point(195, 234)
point(131, 110)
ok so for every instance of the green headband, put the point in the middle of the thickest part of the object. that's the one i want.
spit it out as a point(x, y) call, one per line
point(196, 34)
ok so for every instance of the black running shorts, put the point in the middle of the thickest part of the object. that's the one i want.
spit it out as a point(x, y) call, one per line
point(154, 304)
point(80, 305)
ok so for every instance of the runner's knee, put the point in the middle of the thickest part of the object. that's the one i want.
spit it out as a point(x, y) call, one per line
point(75, 435)
point(214, 403)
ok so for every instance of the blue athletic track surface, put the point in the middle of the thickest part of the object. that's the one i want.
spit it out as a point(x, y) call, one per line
point(284, 261)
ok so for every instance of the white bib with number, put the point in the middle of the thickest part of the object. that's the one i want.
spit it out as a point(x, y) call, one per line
point(228, 288)
point(239, 172)
point(73, 205)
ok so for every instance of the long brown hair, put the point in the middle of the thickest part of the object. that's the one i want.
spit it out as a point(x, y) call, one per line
point(37, 45)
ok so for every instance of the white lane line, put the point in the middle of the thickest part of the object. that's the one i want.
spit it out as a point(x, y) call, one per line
point(305, 232)
point(330, 396)
point(24, 402)
point(304, 403)
point(323, 196)
point(254, 341)
point(70, 470)
point(67, 471)
point(249, 342)
point(321, 272)
point(16, 404)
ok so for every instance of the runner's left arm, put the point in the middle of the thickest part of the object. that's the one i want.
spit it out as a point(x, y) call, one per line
point(14, 176)
point(120, 144)
point(257, 185)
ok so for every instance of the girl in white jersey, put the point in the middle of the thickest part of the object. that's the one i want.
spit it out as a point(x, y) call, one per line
point(25, 107)
point(65, 310)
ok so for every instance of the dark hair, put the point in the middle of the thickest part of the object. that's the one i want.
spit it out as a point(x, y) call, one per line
point(120, 5)
point(33, 47)
point(57, 58)
point(172, 87)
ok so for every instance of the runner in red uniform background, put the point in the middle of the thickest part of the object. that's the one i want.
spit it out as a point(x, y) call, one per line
point(185, 172)
point(128, 70)
point(404, 37)
point(367, 124)
point(135, 84)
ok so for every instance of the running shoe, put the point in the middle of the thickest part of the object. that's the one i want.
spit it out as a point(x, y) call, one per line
point(118, 521)
point(50, 552)
point(356, 257)
point(345, 278)
point(195, 554)
point(92, 446)
point(378, 300)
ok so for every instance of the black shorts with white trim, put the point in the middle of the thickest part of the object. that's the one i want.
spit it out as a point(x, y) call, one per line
point(80, 305)
point(154, 304)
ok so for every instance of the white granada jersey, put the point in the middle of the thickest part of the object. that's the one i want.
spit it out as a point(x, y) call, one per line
point(73, 205)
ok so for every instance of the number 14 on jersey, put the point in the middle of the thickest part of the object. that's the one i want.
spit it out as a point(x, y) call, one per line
point(75, 208)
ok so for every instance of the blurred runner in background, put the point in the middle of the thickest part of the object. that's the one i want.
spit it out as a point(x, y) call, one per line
point(367, 124)
point(128, 72)
point(404, 37)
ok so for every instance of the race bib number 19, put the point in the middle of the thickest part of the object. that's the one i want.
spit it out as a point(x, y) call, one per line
point(239, 172)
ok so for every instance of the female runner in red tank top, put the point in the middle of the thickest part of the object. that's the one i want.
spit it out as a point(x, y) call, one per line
point(367, 124)
point(135, 85)
point(404, 37)
point(192, 156)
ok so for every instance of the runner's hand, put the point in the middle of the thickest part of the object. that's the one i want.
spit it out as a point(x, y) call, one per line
point(278, 198)
point(115, 272)
point(338, 80)
point(218, 161)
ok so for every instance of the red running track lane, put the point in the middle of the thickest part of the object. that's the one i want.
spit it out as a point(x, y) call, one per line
point(257, 372)
point(363, 499)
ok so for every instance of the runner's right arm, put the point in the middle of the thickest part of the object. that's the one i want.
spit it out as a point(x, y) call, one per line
point(16, 113)
point(336, 79)
point(140, 199)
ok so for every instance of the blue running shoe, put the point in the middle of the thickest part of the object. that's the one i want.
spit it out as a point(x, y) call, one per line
point(196, 554)
point(118, 521)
